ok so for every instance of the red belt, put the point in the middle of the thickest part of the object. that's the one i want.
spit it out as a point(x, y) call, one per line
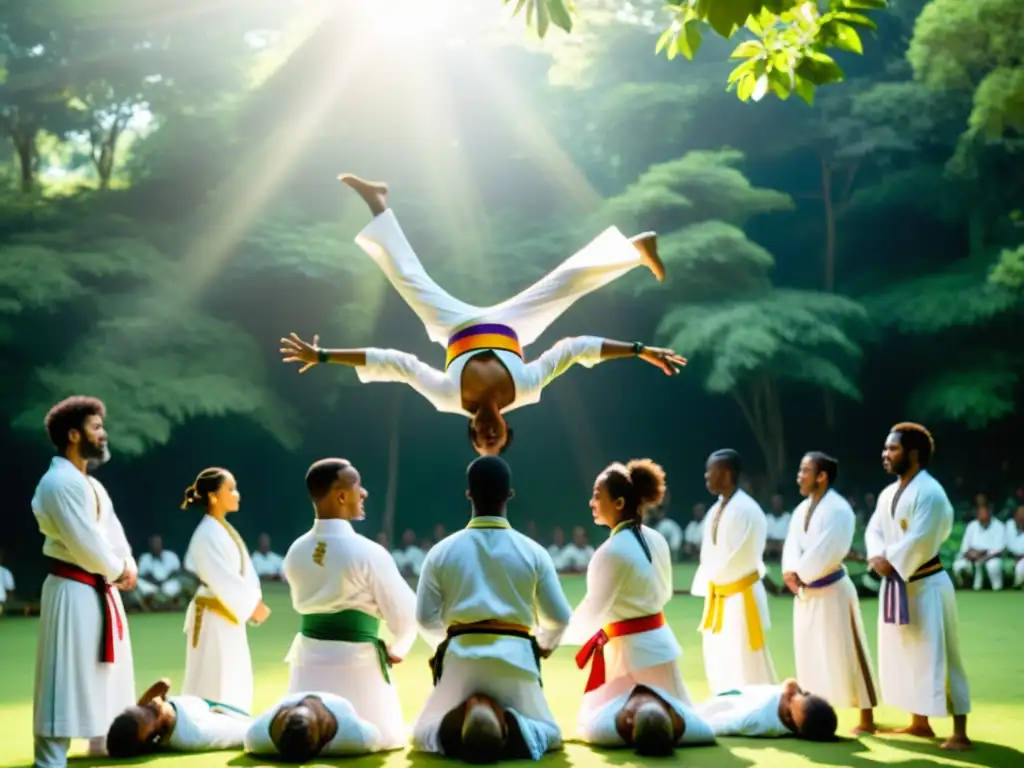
point(594, 647)
point(110, 615)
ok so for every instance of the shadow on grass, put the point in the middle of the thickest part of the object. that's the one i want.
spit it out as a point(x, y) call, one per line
point(984, 754)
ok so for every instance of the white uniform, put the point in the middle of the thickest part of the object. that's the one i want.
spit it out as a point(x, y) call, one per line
point(750, 710)
point(832, 656)
point(528, 314)
point(6, 585)
point(622, 584)
point(333, 569)
point(353, 737)
point(735, 605)
point(778, 526)
point(203, 726)
point(918, 637)
point(694, 533)
point(673, 533)
point(1015, 548)
point(159, 570)
point(217, 662)
point(76, 694)
point(267, 565)
point(600, 728)
point(990, 539)
point(556, 556)
point(490, 572)
point(575, 558)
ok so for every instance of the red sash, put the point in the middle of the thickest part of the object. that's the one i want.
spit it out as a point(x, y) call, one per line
point(594, 647)
point(110, 615)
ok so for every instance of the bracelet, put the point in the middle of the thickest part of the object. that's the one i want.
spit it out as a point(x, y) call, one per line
point(322, 356)
point(638, 348)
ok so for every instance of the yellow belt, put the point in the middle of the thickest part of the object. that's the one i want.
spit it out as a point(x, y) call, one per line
point(204, 604)
point(714, 608)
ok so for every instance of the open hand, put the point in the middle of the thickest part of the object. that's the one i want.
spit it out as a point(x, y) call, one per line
point(665, 359)
point(157, 690)
point(295, 350)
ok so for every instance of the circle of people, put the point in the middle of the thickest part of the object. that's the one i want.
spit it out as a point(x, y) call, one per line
point(491, 606)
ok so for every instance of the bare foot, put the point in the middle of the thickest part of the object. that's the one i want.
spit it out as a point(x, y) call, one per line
point(374, 193)
point(864, 730)
point(957, 744)
point(921, 731)
point(647, 244)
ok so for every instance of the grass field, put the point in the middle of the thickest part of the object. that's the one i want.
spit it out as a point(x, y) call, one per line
point(991, 630)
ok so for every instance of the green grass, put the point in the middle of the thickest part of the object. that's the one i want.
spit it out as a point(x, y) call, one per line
point(991, 629)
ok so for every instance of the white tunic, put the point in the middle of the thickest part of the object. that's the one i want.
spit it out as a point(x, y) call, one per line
point(832, 656)
point(6, 584)
point(490, 574)
point(204, 727)
point(158, 568)
point(694, 533)
point(217, 662)
point(575, 558)
point(730, 551)
point(332, 568)
point(672, 532)
point(76, 695)
point(600, 729)
point(991, 539)
point(1014, 539)
point(529, 314)
point(623, 584)
point(778, 526)
point(353, 737)
point(267, 565)
point(750, 710)
point(919, 663)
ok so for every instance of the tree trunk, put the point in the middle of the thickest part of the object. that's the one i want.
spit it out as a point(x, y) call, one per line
point(393, 453)
point(104, 152)
point(25, 148)
point(762, 409)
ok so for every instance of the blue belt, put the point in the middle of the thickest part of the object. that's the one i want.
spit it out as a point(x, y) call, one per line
point(827, 581)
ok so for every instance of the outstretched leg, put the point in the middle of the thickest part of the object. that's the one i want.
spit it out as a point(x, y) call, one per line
point(603, 260)
point(385, 243)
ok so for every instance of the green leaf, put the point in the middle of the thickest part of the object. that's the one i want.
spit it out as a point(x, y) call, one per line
point(804, 88)
point(781, 83)
point(667, 37)
point(866, 5)
point(743, 69)
point(819, 68)
point(845, 38)
point(543, 18)
point(560, 15)
point(854, 19)
point(748, 49)
point(745, 87)
point(692, 37)
point(725, 16)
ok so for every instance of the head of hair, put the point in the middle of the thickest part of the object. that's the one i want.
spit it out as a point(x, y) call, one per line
point(914, 437)
point(322, 475)
point(730, 459)
point(489, 481)
point(208, 481)
point(639, 483)
point(297, 741)
point(820, 720)
point(69, 414)
point(510, 435)
point(825, 463)
point(123, 736)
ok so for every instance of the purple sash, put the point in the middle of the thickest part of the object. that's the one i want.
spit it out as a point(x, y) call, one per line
point(829, 580)
point(895, 596)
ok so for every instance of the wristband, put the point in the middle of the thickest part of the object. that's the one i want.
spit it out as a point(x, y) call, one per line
point(638, 348)
point(322, 356)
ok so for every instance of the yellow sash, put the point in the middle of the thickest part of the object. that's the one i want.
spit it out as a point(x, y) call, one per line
point(714, 608)
point(204, 604)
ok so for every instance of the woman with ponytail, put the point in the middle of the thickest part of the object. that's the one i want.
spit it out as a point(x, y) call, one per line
point(635, 695)
point(218, 667)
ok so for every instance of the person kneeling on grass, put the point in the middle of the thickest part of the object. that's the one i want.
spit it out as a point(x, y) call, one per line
point(162, 723)
point(304, 725)
point(770, 711)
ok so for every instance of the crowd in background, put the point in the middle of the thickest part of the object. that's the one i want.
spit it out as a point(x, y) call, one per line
point(985, 550)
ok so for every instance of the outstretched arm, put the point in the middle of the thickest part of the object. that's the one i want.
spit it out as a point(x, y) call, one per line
point(591, 350)
point(379, 365)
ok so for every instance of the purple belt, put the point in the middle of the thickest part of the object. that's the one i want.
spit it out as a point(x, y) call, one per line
point(895, 595)
point(827, 581)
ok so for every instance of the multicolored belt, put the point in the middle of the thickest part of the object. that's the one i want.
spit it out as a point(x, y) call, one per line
point(896, 600)
point(482, 336)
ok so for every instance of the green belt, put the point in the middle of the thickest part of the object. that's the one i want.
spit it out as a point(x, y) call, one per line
point(347, 627)
point(215, 705)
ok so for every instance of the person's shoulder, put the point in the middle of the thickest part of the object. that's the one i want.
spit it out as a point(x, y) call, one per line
point(837, 500)
point(930, 487)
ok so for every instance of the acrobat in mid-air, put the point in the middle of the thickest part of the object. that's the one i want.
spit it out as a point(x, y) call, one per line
point(485, 373)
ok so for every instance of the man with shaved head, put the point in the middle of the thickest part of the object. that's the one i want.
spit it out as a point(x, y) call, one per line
point(729, 580)
point(342, 585)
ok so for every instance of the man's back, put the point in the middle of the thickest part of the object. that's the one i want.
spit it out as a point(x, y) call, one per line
point(490, 572)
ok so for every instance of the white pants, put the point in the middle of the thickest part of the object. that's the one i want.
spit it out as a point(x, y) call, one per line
point(962, 568)
point(1018, 572)
point(728, 660)
point(529, 313)
point(169, 589)
point(218, 666)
